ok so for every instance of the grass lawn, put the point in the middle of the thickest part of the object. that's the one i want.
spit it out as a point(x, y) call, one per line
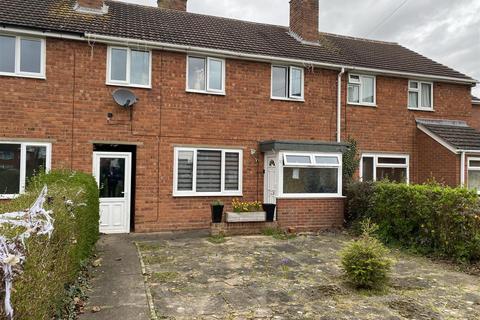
point(262, 277)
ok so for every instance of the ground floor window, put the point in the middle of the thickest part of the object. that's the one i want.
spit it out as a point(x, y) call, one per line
point(19, 162)
point(310, 174)
point(473, 174)
point(206, 171)
point(375, 167)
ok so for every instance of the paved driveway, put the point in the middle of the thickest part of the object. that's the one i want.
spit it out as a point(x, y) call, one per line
point(263, 278)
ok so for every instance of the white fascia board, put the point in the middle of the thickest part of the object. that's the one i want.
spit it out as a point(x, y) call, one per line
point(438, 139)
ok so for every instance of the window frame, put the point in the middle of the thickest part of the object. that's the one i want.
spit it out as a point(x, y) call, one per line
point(375, 157)
point(193, 192)
point(127, 83)
point(207, 90)
point(288, 88)
point(472, 169)
point(23, 163)
point(418, 90)
point(43, 52)
point(281, 165)
point(360, 93)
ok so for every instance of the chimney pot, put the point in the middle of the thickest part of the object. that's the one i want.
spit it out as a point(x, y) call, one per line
point(304, 19)
point(180, 5)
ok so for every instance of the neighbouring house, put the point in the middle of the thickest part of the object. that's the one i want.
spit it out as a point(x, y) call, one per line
point(208, 108)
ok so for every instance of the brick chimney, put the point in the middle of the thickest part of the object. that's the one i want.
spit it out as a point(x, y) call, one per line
point(304, 19)
point(180, 5)
point(91, 6)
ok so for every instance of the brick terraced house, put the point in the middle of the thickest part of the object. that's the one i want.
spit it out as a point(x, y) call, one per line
point(171, 110)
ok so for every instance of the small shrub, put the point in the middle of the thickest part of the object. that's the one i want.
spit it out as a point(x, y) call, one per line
point(365, 261)
point(217, 239)
point(278, 234)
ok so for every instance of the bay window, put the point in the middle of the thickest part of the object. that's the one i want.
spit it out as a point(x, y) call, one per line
point(420, 95)
point(22, 56)
point(19, 162)
point(310, 175)
point(361, 90)
point(287, 82)
point(206, 171)
point(129, 67)
point(206, 75)
point(473, 174)
point(376, 167)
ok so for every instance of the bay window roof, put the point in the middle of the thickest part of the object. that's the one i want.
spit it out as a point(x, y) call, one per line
point(303, 146)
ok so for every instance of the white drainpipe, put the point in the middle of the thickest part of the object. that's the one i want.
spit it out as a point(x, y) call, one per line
point(462, 169)
point(339, 105)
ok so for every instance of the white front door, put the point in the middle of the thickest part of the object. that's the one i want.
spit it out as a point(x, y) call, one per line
point(112, 170)
point(270, 190)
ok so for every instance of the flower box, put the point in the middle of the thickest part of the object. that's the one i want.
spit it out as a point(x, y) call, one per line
point(256, 216)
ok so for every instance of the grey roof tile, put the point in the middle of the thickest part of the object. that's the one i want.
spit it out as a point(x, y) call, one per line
point(456, 133)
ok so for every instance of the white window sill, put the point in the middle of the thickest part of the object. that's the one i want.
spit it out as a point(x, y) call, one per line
point(24, 75)
point(373, 105)
point(206, 92)
point(422, 109)
point(206, 194)
point(288, 99)
point(310, 196)
point(119, 84)
point(8, 196)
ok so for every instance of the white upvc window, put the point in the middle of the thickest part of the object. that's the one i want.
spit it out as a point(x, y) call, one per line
point(310, 175)
point(361, 90)
point(287, 83)
point(205, 75)
point(20, 161)
point(129, 67)
point(473, 174)
point(376, 167)
point(22, 56)
point(207, 172)
point(420, 95)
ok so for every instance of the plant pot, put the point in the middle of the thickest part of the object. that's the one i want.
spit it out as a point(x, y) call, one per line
point(269, 208)
point(246, 216)
point(217, 213)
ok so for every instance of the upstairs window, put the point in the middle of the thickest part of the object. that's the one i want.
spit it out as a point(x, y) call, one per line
point(18, 163)
point(376, 167)
point(361, 90)
point(287, 83)
point(22, 56)
point(420, 95)
point(129, 67)
point(205, 75)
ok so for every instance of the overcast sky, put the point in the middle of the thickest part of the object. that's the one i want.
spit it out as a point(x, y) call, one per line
point(447, 31)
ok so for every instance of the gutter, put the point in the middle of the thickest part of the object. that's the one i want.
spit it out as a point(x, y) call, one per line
point(339, 105)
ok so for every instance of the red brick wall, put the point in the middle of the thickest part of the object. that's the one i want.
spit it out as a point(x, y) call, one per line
point(310, 214)
point(475, 119)
point(71, 105)
point(304, 18)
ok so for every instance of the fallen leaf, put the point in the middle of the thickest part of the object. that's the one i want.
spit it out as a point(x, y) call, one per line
point(97, 263)
point(96, 309)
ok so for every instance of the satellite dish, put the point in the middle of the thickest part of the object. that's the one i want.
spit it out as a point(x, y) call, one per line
point(124, 97)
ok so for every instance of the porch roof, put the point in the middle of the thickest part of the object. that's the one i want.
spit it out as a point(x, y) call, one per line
point(305, 145)
point(452, 133)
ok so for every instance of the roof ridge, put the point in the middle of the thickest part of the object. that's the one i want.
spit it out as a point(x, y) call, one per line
point(357, 38)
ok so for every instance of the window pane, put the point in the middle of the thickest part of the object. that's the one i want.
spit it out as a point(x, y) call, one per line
point(36, 161)
point(426, 95)
point(7, 54)
point(185, 171)
point(392, 174)
point(392, 160)
point(474, 179)
point(279, 82)
point(215, 81)
point(112, 177)
point(9, 168)
point(367, 89)
point(475, 163)
point(367, 169)
point(140, 67)
point(119, 65)
point(297, 159)
point(413, 99)
point(353, 93)
point(326, 160)
point(310, 180)
point(209, 170)
point(231, 170)
point(30, 55)
point(296, 82)
point(413, 84)
point(196, 73)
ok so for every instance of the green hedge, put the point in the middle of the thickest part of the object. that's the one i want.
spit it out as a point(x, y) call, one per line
point(53, 263)
point(429, 218)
